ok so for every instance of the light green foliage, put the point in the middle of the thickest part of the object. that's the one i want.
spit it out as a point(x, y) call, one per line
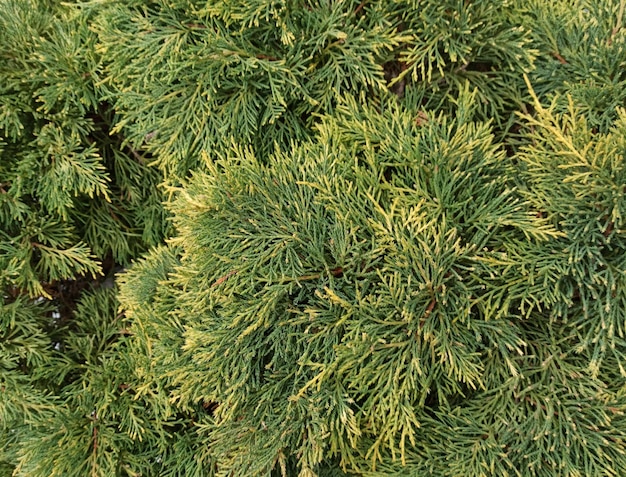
point(577, 179)
point(397, 243)
point(23, 343)
point(73, 202)
point(345, 300)
point(94, 424)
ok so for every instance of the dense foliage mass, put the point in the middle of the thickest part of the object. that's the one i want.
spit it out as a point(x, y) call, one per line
point(313, 238)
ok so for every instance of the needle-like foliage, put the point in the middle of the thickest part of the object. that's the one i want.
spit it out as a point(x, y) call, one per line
point(189, 76)
point(70, 196)
point(396, 243)
point(373, 295)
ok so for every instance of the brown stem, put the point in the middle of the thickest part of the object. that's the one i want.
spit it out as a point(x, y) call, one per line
point(618, 23)
point(138, 156)
point(222, 279)
point(337, 272)
point(429, 310)
point(266, 57)
point(562, 60)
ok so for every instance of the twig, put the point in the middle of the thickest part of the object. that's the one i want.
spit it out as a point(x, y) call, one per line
point(138, 156)
point(221, 280)
point(431, 307)
point(562, 60)
point(618, 24)
point(429, 310)
point(266, 57)
point(422, 118)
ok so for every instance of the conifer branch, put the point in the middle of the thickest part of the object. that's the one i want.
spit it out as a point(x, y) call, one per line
point(462, 161)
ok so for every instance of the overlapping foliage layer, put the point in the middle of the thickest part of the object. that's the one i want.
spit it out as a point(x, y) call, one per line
point(396, 244)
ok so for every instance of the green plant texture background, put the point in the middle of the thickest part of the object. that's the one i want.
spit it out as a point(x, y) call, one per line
point(279, 238)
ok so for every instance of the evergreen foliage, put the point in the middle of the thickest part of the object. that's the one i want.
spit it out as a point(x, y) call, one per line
point(373, 295)
point(70, 195)
point(191, 76)
point(583, 55)
point(395, 247)
point(73, 204)
point(89, 422)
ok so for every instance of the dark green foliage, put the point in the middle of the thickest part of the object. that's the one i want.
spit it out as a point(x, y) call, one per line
point(70, 196)
point(193, 76)
point(456, 43)
point(94, 424)
point(398, 243)
point(73, 202)
point(583, 54)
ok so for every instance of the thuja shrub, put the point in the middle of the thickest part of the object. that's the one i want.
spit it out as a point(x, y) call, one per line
point(70, 195)
point(80, 416)
point(397, 297)
point(189, 76)
point(582, 53)
point(75, 206)
point(392, 254)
